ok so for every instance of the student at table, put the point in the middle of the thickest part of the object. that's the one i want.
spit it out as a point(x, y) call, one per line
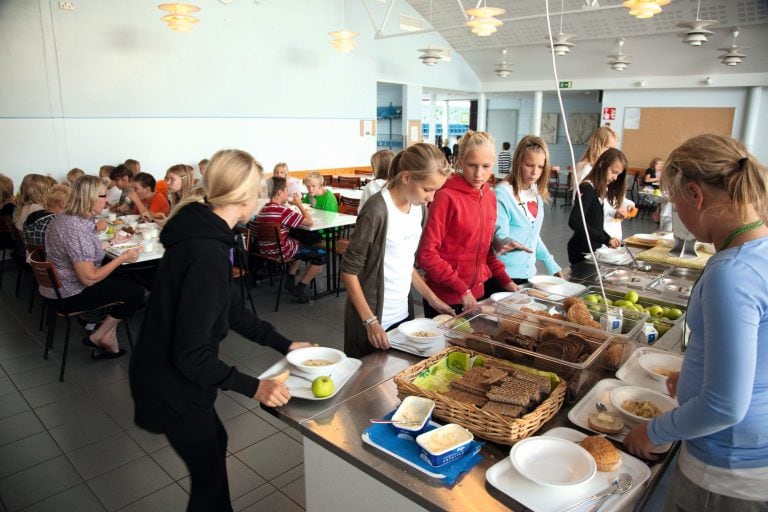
point(175, 372)
point(150, 204)
point(722, 387)
point(37, 222)
point(380, 162)
point(294, 185)
point(377, 269)
point(605, 183)
point(652, 175)
point(73, 174)
point(72, 245)
point(31, 197)
point(121, 177)
point(7, 208)
point(520, 200)
point(113, 193)
point(455, 250)
point(601, 139)
point(320, 197)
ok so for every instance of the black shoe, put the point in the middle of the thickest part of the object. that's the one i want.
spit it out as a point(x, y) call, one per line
point(100, 354)
point(86, 341)
point(290, 282)
point(300, 292)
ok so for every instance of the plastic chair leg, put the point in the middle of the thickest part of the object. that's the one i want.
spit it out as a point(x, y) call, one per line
point(66, 348)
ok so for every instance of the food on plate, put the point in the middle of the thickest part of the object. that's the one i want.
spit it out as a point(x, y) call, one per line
point(663, 371)
point(605, 422)
point(118, 222)
point(643, 408)
point(282, 377)
point(317, 362)
point(322, 387)
point(423, 334)
point(607, 457)
point(129, 230)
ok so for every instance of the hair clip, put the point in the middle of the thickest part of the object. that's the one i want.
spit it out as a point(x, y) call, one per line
point(742, 162)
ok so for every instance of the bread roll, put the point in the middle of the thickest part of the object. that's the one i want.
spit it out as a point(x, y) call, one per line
point(607, 457)
point(282, 377)
point(606, 422)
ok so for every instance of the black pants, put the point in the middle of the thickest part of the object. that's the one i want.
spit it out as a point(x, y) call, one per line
point(111, 289)
point(207, 464)
point(430, 312)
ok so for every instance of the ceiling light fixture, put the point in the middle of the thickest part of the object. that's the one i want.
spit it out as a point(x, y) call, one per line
point(178, 17)
point(734, 54)
point(343, 40)
point(560, 42)
point(620, 61)
point(484, 22)
point(434, 54)
point(697, 33)
point(644, 9)
point(503, 70)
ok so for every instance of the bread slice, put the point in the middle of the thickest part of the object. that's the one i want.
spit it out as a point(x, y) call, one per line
point(607, 457)
point(513, 411)
point(466, 398)
point(605, 422)
point(282, 377)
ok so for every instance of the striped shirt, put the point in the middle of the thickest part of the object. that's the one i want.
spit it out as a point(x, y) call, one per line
point(505, 162)
point(273, 212)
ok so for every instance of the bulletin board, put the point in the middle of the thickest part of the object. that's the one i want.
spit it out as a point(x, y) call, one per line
point(655, 132)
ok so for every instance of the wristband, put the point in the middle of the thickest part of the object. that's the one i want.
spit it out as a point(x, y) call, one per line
point(370, 321)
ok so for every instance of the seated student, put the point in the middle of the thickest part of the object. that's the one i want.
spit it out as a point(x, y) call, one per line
point(380, 164)
point(320, 197)
point(113, 193)
point(294, 185)
point(37, 223)
point(148, 202)
point(276, 211)
point(31, 197)
point(652, 176)
point(73, 174)
point(7, 207)
point(121, 177)
point(133, 165)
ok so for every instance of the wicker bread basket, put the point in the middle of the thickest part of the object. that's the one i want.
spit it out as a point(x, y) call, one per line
point(491, 426)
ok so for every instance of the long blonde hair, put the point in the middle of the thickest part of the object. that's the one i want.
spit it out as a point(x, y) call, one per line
point(380, 163)
point(533, 144)
point(32, 191)
point(85, 191)
point(233, 176)
point(600, 140)
point(720, 162)
point(187, 184)
point(420, 160)
point(472, 140)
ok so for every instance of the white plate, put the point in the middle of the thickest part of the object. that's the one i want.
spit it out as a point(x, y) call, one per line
point(552, 461)
point(301, 386)
point(504, 477)
point(579, 413)
point(631, 372)
point(398, 341)
point(556, 286)
point(645, 236)
point(498, 296)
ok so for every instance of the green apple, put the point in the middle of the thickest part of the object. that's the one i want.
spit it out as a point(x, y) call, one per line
point(322, 387)
point(655, 310)
point(673, 313)
point(462, 325)
point(632, 297)
point(661, 327)
point(640, 308)
point(622, 303)
point(478, 361)
point(609, 302)
point(592, 298)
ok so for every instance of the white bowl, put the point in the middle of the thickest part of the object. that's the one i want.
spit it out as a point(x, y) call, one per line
point(552, 461)
point(555, 285)
point(649, 361)
point(513, 298)
point(298, 357)
point(623, 393)
point(499, 296)
point(416, 411)
point(427, 325)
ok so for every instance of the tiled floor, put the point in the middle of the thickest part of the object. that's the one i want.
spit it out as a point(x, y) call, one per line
point(72, 446)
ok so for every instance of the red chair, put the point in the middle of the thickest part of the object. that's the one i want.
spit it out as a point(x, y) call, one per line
point(327, 180)
point(348, 205)
point(352, 182)
point(47, 277)
point(269, 232)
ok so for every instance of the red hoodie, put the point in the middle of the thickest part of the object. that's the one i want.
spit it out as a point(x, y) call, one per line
point(455, 249)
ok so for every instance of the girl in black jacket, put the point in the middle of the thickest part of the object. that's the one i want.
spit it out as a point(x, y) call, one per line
point(607, 181)
point(175, 372)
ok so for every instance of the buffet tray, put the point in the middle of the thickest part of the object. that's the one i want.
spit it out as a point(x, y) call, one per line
point(504, 477)
point(632, 373)
point(398, 341)
point(300, 385)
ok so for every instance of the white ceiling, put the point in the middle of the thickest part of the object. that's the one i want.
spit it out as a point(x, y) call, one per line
point(654, 44)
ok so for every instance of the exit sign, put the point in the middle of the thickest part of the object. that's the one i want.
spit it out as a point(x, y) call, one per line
point(566, 84)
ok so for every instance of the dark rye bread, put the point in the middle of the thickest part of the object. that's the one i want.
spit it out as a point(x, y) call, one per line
point(519, 340)
point(478, 380)
point(466, 398)
point(544, 384)
point(515, 391)
point(513, 411)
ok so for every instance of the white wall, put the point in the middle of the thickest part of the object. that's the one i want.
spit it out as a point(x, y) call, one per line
point(109, 81)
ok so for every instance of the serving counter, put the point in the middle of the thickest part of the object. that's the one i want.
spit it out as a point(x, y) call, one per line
point(342, 473)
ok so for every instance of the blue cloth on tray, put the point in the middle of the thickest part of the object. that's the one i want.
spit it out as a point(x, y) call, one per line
point(384, 435)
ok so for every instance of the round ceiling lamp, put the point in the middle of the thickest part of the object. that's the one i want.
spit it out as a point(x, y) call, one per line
point(645, 9)
point(734, 54)
point(484, 22)
point(343, 40)
point(503, 70)
point(620, 61)
point(178, 17)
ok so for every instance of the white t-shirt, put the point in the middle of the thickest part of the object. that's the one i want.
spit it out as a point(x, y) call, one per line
point(294, 187)
point(529, 196)
point(113, 195)
point(370, 189)
point(743, 484)
point(403, 233)
point(582, 170)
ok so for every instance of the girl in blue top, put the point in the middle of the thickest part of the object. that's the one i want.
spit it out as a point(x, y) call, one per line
point(520, 202)
point(721, 195)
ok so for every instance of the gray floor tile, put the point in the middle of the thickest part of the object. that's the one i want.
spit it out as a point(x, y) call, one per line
point(128, 483)
point(272, 456)
point(277, 502)
point(27, 362)
point(253, 496)
point(11, 404)
point(46, 374)
point(99, 373)
point(6, 386)
point(52, 392)
point(227, 408)
point(295, 434)
point(272, 420)
point(20, 347)
point(38, 483)
point(245, 430)
point(147, 440)
point(168, 499)
point(170, 461)
point(109, 453)
point(75, 499)
point(26, 453)
point(248, 403)
point(69, 410)
point(242, 480)
point(76, 434)
point(116, 400)
point(18, 427)
point(288, 477)
point(295, 491)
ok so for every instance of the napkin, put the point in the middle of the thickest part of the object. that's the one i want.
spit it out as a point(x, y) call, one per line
point(383, 435)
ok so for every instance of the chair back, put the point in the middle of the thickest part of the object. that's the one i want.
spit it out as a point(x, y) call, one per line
point(9, 228)
point(348, 205)
point(45, 272)
point(364, 172)
point(349, 182)
point(327, 180)
point(269, 232)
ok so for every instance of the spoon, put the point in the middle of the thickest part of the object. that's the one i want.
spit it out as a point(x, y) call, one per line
point(600, 406)
point(644, 268)
point(620, 485)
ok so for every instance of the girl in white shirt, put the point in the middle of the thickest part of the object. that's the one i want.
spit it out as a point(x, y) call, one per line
point(380, 162)
point(600, 140)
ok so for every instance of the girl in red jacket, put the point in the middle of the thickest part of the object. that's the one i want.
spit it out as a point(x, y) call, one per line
point(455, 249)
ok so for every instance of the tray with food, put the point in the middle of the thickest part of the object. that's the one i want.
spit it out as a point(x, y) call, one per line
point(601, 410)
point(543, 479)
point(630, 323)
point(548, 343)
point(650, 367)
point(492, 398)
point(422, 337)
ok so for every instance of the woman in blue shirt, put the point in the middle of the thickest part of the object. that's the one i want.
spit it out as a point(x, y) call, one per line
point(520, 202)
point(721, 195)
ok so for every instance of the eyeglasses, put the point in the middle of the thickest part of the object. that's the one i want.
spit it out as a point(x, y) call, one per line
point(104, 196)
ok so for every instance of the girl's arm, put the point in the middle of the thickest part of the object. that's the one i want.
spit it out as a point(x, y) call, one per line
point(426, 292)
point(376, 334)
